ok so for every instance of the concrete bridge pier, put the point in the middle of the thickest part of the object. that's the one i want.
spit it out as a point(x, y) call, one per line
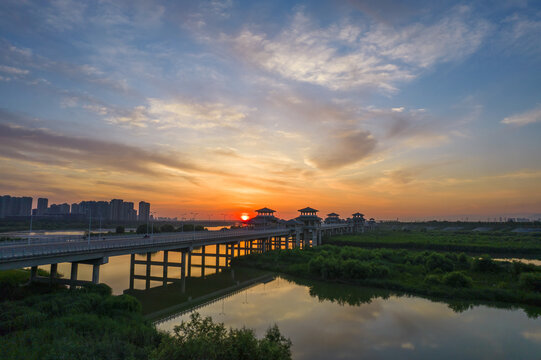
point(183, 271)
point(53, 274)
point(203, 261)
point(33, 273)
point(217, 260)
point(147, 279)
point(73, 277)
point(189, 263)
point(164, 267)
point(96, 273)
point(132, 270)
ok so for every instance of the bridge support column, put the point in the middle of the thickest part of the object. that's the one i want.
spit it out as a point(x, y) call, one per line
point(96, 273)
point(183, 272)
point(147, 280)
point(54, 271)
point(132, 270)
point(74, 268)
point(164, 273)
point(33, 273)
point(203, 261)
point(189, 263)
point(217, 257)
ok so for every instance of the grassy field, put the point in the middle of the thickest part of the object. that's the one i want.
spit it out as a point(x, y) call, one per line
point(492, 242)
point(444, 275)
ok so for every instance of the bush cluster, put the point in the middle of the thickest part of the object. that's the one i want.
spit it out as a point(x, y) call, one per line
point(90, 323)
point(201, 338)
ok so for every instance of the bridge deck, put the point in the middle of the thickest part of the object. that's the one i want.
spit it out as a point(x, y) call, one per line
point(51, 250)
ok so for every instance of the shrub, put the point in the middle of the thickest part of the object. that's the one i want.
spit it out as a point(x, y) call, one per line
point(437, 261)
point(530, 281)
point(167, 228)
point(457, 279)
point(432, 279)
point(485, 264)
point(120, 229)
point(141, 229)
point(355, 269)
point(201, 338)
point(520, 267)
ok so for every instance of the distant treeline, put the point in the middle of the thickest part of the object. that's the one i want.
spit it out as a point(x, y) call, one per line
point(58, 224)
point(492, 242)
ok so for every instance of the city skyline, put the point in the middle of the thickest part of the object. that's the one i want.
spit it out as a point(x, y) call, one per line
point(411, 111)
point(42, 208)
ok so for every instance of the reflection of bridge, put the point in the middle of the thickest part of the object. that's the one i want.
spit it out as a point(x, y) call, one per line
point(97, 250)
point(167, 302)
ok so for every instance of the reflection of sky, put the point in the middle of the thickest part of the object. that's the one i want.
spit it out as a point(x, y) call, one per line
point(399, 327)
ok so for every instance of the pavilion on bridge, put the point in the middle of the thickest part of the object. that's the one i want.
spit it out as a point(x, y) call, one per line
point(333, 218)
point(264, 218)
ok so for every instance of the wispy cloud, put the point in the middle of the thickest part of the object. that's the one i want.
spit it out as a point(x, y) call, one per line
point(38, 145)
point(343, 148)
point(525, 118)
point(13, 70)
point(346, 56)
point(182, 114)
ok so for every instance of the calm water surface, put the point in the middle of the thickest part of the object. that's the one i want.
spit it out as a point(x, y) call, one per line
point(334, 321)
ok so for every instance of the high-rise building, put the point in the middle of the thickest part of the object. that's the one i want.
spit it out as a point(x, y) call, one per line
point(128, 212)
point(58, 209)
point(144, 211)
point(43, 204)
point(5, 203)
point(15, 206)
point(75, 209)
point(116, 209)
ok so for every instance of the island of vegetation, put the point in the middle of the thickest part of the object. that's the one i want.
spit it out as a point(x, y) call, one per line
point(40, 322)
point(482, 242)
point(451, 276)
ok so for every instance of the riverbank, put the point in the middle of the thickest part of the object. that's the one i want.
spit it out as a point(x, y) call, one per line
point(40, 322)
point(491, 242)
point(448, 276)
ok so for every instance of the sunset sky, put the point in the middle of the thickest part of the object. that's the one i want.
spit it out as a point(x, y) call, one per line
point(425, 110)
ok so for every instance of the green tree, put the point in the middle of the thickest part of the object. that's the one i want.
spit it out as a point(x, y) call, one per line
point(141, 229)
point(167, 228)
point(120, 229)
point(201, 338)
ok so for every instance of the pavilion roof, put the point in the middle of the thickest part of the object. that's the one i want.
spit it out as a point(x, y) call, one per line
point(265, 210)
point(294, 222)
point(333, 215)
point(358, 214)
point(308, 209)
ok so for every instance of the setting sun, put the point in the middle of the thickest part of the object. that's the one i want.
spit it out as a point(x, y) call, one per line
point(245, 217)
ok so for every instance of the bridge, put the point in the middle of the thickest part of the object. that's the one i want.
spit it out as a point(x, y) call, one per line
point(33, 252)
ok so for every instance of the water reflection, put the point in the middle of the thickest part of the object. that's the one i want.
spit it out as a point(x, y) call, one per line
point(323, 320)
point(334, 321)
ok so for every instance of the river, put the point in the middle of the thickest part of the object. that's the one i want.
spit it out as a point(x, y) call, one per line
point(327, 321)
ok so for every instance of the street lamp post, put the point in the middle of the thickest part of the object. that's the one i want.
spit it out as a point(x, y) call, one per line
point(30, 232)
point(89, 226)
point(194, 216)
point(152, 222)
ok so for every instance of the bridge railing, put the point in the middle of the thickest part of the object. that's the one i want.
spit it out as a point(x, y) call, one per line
point(68, 246)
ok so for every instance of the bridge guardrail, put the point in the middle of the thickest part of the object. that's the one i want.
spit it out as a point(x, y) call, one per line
point(69, 245)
